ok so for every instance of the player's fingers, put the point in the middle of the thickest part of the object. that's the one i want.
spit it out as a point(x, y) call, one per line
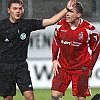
point(57, 71)
point(59, 65)
point(54, 71)
point(73, 3)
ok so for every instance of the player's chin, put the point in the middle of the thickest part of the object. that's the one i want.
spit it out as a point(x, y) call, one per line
point(68, 21)
point(18, 17)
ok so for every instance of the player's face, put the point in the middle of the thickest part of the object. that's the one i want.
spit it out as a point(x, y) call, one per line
point(72, 17)
point(16, 10)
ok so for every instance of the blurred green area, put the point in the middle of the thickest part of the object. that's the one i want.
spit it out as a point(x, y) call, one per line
point(45, 94)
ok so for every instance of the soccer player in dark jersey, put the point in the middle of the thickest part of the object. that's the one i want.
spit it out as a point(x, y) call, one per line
point(74, 54)
point(14, 39)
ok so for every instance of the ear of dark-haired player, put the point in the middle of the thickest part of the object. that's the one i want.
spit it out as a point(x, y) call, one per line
point(96, 97)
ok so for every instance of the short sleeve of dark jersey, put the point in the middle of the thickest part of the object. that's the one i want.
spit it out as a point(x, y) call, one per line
point(35, 24)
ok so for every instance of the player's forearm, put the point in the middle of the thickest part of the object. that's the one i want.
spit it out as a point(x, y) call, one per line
point(55, 18)
point(94, 59)
point(55, 50)
point(71, 5)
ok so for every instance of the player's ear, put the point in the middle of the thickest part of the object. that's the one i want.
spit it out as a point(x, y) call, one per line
point(23, 10)
point(8, 10)
point(79, 15)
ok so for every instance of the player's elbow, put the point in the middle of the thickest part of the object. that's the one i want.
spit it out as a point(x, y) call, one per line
point(51, 22)
point(48, 22)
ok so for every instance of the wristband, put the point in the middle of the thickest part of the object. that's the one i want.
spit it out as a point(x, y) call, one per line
point(68, 9)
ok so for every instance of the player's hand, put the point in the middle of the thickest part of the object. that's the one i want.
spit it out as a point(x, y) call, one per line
point(71, 4)
point(56, 64)
point(90, 73)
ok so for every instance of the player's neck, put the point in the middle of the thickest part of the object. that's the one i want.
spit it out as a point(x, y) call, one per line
point(13, 20)
point(75, 23)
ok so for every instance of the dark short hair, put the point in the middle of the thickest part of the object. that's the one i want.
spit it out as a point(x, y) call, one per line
point(15, 1)
point(79, 7)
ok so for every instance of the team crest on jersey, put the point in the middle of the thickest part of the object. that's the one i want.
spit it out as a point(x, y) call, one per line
point(80, 37)
point(23, 36)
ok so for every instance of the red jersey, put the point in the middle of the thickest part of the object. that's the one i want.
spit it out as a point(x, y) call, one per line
point(73, 48)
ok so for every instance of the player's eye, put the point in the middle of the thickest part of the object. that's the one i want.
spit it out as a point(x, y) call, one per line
point(20, 8)
point(14, 8)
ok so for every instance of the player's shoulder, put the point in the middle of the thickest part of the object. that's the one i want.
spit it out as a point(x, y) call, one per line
point(88, 25)
point(3, 21)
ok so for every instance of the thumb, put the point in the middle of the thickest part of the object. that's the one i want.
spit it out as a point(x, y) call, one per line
point(59, 65)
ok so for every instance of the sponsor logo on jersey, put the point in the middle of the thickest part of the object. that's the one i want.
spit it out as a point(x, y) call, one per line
point(72, 43)
point(6, 40)
point(88, 92)
point(23, 36)
point(64, 30)
point(30, 85)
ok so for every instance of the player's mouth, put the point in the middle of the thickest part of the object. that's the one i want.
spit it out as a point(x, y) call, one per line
point(18, 15)
point(67, 18)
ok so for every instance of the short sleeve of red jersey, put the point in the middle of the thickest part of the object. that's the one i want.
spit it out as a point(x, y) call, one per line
point(56, 41)
point(57, 32)
point(94, 45)
point(93, 37)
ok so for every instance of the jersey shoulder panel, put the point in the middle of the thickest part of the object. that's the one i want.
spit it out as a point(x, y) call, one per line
point(62, 21)
point(88, 25)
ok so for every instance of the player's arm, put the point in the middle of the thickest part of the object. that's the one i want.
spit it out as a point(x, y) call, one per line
point(94, 45)
point(94, 59)
point(46, 22)
point(55, 50)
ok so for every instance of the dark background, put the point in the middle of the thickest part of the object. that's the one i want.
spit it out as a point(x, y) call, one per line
point(47, 8)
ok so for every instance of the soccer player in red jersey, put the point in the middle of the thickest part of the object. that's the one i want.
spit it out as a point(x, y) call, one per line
point(74, 53)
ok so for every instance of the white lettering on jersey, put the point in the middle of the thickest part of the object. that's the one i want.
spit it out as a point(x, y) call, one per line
point(64, 30)
point(73, 43)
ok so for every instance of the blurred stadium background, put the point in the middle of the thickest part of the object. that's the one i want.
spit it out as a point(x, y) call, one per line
point(39, 54)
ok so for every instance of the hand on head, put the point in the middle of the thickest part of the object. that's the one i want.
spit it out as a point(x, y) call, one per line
point(71, 4)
